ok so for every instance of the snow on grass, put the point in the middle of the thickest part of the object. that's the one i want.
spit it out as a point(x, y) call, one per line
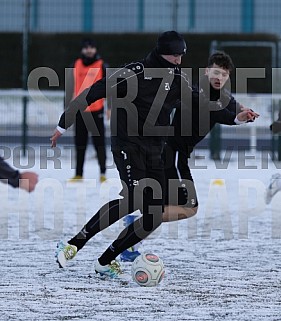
point(223, 264)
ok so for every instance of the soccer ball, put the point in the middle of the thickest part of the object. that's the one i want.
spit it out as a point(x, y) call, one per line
point(148, 269)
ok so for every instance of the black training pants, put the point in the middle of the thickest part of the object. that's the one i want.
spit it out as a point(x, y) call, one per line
point(141, 171)
point(93, 123)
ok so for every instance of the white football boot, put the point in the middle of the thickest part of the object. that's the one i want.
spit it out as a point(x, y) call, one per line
point(64, 253)
point(113, 270)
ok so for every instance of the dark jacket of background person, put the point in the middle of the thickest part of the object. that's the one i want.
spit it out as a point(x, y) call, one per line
point(8, 174)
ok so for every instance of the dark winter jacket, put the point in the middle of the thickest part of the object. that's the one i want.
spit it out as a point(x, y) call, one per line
point(8, 174)
point(202, 120)
point(146, 97)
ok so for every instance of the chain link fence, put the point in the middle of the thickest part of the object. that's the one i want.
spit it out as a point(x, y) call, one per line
point(113, 16)
point(29, 118)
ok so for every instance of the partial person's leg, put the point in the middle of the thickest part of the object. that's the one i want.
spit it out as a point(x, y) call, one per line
point(98, 139)
point(81, 140)
point(175, 213)
point(107, 215)
point(135, 232)
point(182, 204)
point(148, 196)
point(110, 212)
point(180, 195)
point(130, 254)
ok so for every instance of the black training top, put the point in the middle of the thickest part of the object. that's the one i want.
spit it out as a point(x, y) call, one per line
point(189, 131)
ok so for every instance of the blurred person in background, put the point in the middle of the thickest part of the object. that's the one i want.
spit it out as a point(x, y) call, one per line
point(85, 71)
point(25, 180)
point(275, 182)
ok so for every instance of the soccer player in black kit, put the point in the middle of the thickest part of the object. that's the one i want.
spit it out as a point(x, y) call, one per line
point(215, 83)
point(143, 95)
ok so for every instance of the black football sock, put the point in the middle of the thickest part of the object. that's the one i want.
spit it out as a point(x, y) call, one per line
point(107, 215)
point(131, 235)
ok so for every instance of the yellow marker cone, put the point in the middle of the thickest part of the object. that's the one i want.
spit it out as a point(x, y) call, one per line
point(218, 182)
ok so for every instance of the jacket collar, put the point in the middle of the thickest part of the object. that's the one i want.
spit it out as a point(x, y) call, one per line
point(88, 61)
point(154, 60)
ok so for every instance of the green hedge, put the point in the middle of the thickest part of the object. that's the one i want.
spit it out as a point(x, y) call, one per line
point(57, 51)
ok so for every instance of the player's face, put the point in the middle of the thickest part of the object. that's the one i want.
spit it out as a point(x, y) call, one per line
point(173, 59)
point(89, 51)
point(217, 76)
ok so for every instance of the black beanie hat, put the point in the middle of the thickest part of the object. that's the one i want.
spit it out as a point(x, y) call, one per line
point(170, 43)
point(88, 43)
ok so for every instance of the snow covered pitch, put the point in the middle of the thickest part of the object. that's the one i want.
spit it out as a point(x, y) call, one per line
point(223, 264)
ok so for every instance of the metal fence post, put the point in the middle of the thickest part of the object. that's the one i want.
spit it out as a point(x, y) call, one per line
point(247, 15)
point(140, 15)
point(87, 15)
point(25, 44)
point(215, 142)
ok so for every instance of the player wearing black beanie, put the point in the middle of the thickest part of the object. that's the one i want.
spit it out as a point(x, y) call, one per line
point(170, 43)
point(148, 91)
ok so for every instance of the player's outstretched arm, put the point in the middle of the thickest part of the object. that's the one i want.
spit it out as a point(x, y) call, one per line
point(55, 137)
point(81, 102)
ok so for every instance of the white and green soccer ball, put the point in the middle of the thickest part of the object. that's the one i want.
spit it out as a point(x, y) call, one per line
point(148, 269)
